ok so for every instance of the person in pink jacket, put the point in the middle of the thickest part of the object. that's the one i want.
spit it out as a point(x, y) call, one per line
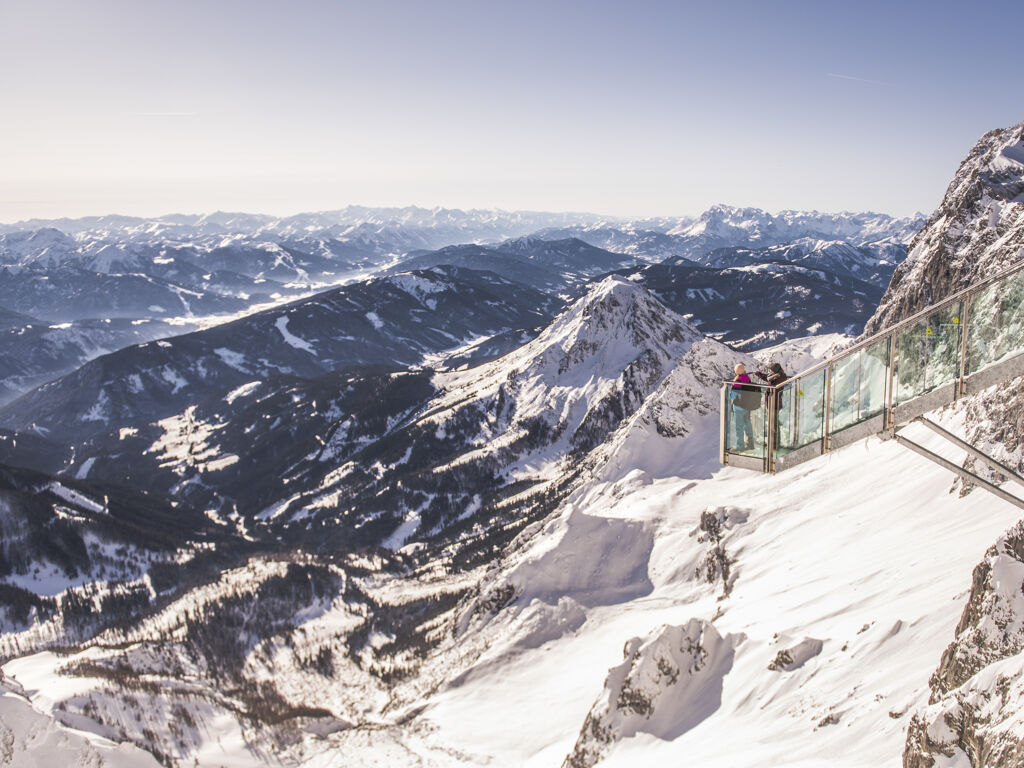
point(742, 400)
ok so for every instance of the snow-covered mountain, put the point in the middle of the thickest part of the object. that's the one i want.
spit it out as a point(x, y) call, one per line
point(977, 230)
point(553, 266)
point(394, 321)
point(381, 456)
point(34, 352)
point(761, 303)
point(484, 454)
point(873, 263)
point(727, 227)
point(139, 275)
point(391, 561)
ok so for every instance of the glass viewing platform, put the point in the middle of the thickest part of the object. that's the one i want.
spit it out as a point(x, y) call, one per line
point(962, 345)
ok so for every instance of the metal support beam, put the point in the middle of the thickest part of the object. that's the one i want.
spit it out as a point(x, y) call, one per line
point(958, 470)
point(984, 458)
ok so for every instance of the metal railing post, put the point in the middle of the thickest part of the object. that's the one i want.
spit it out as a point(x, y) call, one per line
point(965, 320)
point(723, 454)
point(890, 415)
point(771, 411)
point(826, 426)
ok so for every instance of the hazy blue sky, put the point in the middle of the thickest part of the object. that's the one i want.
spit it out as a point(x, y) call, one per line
point(630, 108)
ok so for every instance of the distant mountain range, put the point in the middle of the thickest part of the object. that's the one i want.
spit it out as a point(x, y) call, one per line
point(71, 290)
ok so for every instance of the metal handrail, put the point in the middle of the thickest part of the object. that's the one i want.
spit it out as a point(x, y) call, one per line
point(909, 321)
point(752, 384)
point(964, 297)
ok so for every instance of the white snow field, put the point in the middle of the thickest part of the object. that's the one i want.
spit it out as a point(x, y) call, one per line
point(864, 553)
point(858, 563)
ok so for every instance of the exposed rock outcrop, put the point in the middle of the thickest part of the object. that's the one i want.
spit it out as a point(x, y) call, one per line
point(668, 683)
point(975, 716)
point(976, 709)
point(976, 231)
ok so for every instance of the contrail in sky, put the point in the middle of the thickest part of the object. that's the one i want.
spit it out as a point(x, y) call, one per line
point(858, 79)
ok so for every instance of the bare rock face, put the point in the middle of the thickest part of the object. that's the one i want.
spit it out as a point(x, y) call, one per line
point(668, 683)
point(716, 565)
point(976, 231)
point(976, 710)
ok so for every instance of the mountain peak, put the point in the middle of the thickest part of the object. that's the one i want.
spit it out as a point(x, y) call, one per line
point(976, 231)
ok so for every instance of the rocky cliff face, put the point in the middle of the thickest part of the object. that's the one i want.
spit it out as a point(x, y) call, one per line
point(977, 231)
point(976, 709)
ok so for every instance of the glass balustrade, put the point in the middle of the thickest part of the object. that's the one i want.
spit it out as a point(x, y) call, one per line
point(746, 420)
point(928, 354)
point(846, 392)
point(892, 369)
point(801, 409)
point(996, 323)
point(874, 378)
point(858, 385)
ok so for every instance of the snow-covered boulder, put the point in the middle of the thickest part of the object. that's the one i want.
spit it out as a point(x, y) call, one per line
point(669, 682)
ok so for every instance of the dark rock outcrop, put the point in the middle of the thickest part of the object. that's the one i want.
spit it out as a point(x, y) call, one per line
point(975, 707)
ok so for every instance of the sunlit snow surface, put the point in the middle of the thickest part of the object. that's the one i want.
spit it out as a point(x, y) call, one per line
point(864, 550)
point(862, 553)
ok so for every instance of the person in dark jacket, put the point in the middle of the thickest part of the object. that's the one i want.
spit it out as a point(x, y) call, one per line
point(774, 376)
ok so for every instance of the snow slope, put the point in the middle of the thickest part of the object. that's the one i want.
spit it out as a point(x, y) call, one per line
point(863, 550)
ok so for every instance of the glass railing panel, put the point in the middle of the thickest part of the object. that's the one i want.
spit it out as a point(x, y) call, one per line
point(928, 354)
point(810, 408)
point(996, 323)
point(746, 420)
point(984, 340)
point(911, 360)
point(943, 345)
point(874, 377)
point(801, 412)
point(787, 429)
point(845, 392)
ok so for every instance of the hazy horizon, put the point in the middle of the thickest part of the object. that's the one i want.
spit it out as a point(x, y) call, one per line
point(628, 110)
point(598, 215)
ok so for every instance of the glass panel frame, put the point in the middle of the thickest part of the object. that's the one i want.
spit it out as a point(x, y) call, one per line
point(802, 412)
point(928, 354)
point(874, 378)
